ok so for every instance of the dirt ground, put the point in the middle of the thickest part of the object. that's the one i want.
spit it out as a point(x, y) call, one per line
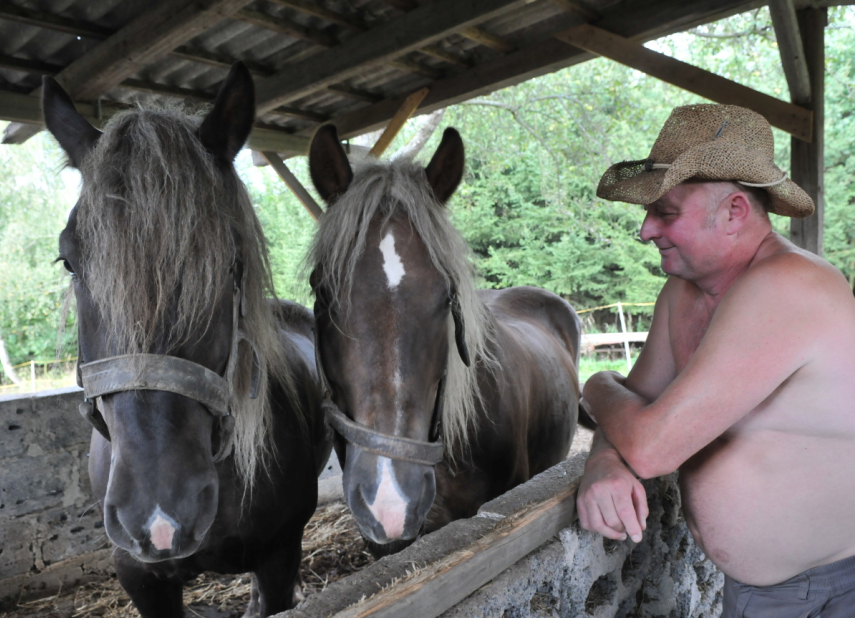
point(332, 549)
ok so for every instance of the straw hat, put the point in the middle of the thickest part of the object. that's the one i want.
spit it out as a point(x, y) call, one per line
point(708, 142)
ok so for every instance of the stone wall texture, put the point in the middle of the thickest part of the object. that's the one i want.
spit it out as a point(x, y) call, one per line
point(582, 575)
point(51, 532)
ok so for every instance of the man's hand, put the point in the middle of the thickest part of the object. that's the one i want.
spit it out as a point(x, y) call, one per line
point(611, 501)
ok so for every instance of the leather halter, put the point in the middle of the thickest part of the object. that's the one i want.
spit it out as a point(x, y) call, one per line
point(393, 447)
point(161, 372)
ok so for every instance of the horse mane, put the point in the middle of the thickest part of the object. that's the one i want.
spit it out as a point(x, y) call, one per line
point(401, 186)
point(161, 224)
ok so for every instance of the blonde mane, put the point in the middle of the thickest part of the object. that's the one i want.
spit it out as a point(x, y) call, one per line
point(161, 224)
point(402, 187)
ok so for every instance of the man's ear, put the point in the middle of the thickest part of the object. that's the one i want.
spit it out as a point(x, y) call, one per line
point(227, 126)
point(739, 209)
point(73, 132)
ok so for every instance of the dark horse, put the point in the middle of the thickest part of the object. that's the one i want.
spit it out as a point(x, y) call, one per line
point(412, 354)
point(204, 394)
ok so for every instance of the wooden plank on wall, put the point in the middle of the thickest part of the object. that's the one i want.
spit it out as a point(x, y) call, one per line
point(438, 587)
point(793, 119)
point(419, 28)
point(807, 160)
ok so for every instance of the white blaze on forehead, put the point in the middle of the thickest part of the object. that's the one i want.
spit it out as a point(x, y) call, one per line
point(161, 530)
point(392, 264)
point(389, 507)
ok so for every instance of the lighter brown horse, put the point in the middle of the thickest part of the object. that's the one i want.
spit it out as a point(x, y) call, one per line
point(442, 397)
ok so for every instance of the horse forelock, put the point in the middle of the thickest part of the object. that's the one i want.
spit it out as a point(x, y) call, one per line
point(161, 224)
point(384, 189)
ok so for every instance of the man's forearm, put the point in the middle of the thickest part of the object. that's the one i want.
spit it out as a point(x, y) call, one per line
point(615, 408)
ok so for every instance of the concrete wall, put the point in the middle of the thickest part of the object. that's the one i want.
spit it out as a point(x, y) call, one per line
point(51, 530)
point(51, 533)
point(576, 574)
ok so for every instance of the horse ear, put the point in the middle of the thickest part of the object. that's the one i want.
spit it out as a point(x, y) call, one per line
point(328, 164)
point(73, 132)
point(445, 169)
point(226, 127)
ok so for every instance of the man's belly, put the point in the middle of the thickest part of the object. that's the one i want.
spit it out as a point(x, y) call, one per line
point(765, 506)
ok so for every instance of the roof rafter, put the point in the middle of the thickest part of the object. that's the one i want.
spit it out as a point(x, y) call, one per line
point(791, 118)
point(387, 42)
point(537, 59)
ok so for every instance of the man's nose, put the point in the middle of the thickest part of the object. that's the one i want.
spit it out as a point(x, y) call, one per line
point(649, 228)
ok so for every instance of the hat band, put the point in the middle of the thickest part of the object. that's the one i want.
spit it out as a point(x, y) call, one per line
point(665, 166)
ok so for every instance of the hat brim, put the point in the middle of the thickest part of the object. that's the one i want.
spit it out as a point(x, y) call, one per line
point(630, 181)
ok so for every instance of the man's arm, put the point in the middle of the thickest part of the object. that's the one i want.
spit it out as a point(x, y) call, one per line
point(761, 334)
point(610, 500)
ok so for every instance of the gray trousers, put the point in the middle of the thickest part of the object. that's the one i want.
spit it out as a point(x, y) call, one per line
point(827, 591)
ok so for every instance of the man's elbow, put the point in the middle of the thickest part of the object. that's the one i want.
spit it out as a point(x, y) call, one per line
point(649, 463)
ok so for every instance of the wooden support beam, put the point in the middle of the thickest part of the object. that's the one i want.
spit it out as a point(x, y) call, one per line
point(791, 49)
point(150, 36)
point(575, 7)
point(793, 119)
point(316, 10)
point(487, 39)
point(286, 27)
point(421, 27)
point(533, 61)
point(408, 107)
point(293, 183)
point(355, 93)
point(26, 108)
point(411, 66)
point(807, 160)
point(436, 588)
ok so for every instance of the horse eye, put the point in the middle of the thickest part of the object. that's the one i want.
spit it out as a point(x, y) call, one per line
point(67, 266)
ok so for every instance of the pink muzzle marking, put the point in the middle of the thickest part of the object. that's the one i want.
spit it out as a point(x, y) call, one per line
point(389, 507)
point(161, 532)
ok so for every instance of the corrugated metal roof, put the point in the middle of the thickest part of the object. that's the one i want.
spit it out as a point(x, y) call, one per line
point(274, 37)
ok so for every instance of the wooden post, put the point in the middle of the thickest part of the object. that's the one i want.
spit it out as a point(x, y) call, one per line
point(807, 158)
point(625, 338)
point(296, 187)
point(408, 107)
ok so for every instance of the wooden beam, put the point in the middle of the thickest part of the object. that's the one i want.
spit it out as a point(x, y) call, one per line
point(487, 39)
point(286, 27)
point(150, 36)
point(793, 119)
point(408, 107)
point(26, 108)
point(423, 26)
point(791, 49)
point(538, 59)
point(355, 93)
point(436, 588)
point(807, 159)
point(316, 10)
point(573, 6)
point(293, 183)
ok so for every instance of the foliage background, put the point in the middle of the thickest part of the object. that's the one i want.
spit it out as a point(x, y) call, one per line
point(527, 206)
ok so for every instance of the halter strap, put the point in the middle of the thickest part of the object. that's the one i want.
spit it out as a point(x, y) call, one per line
point(385, 445)
point(393, 447)
point(156, 372)
point(160, 372)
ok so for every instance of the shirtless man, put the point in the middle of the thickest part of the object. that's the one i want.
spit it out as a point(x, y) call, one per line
point(746, 384)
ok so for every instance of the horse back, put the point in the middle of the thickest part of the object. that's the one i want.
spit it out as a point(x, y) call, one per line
point(535, 397)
